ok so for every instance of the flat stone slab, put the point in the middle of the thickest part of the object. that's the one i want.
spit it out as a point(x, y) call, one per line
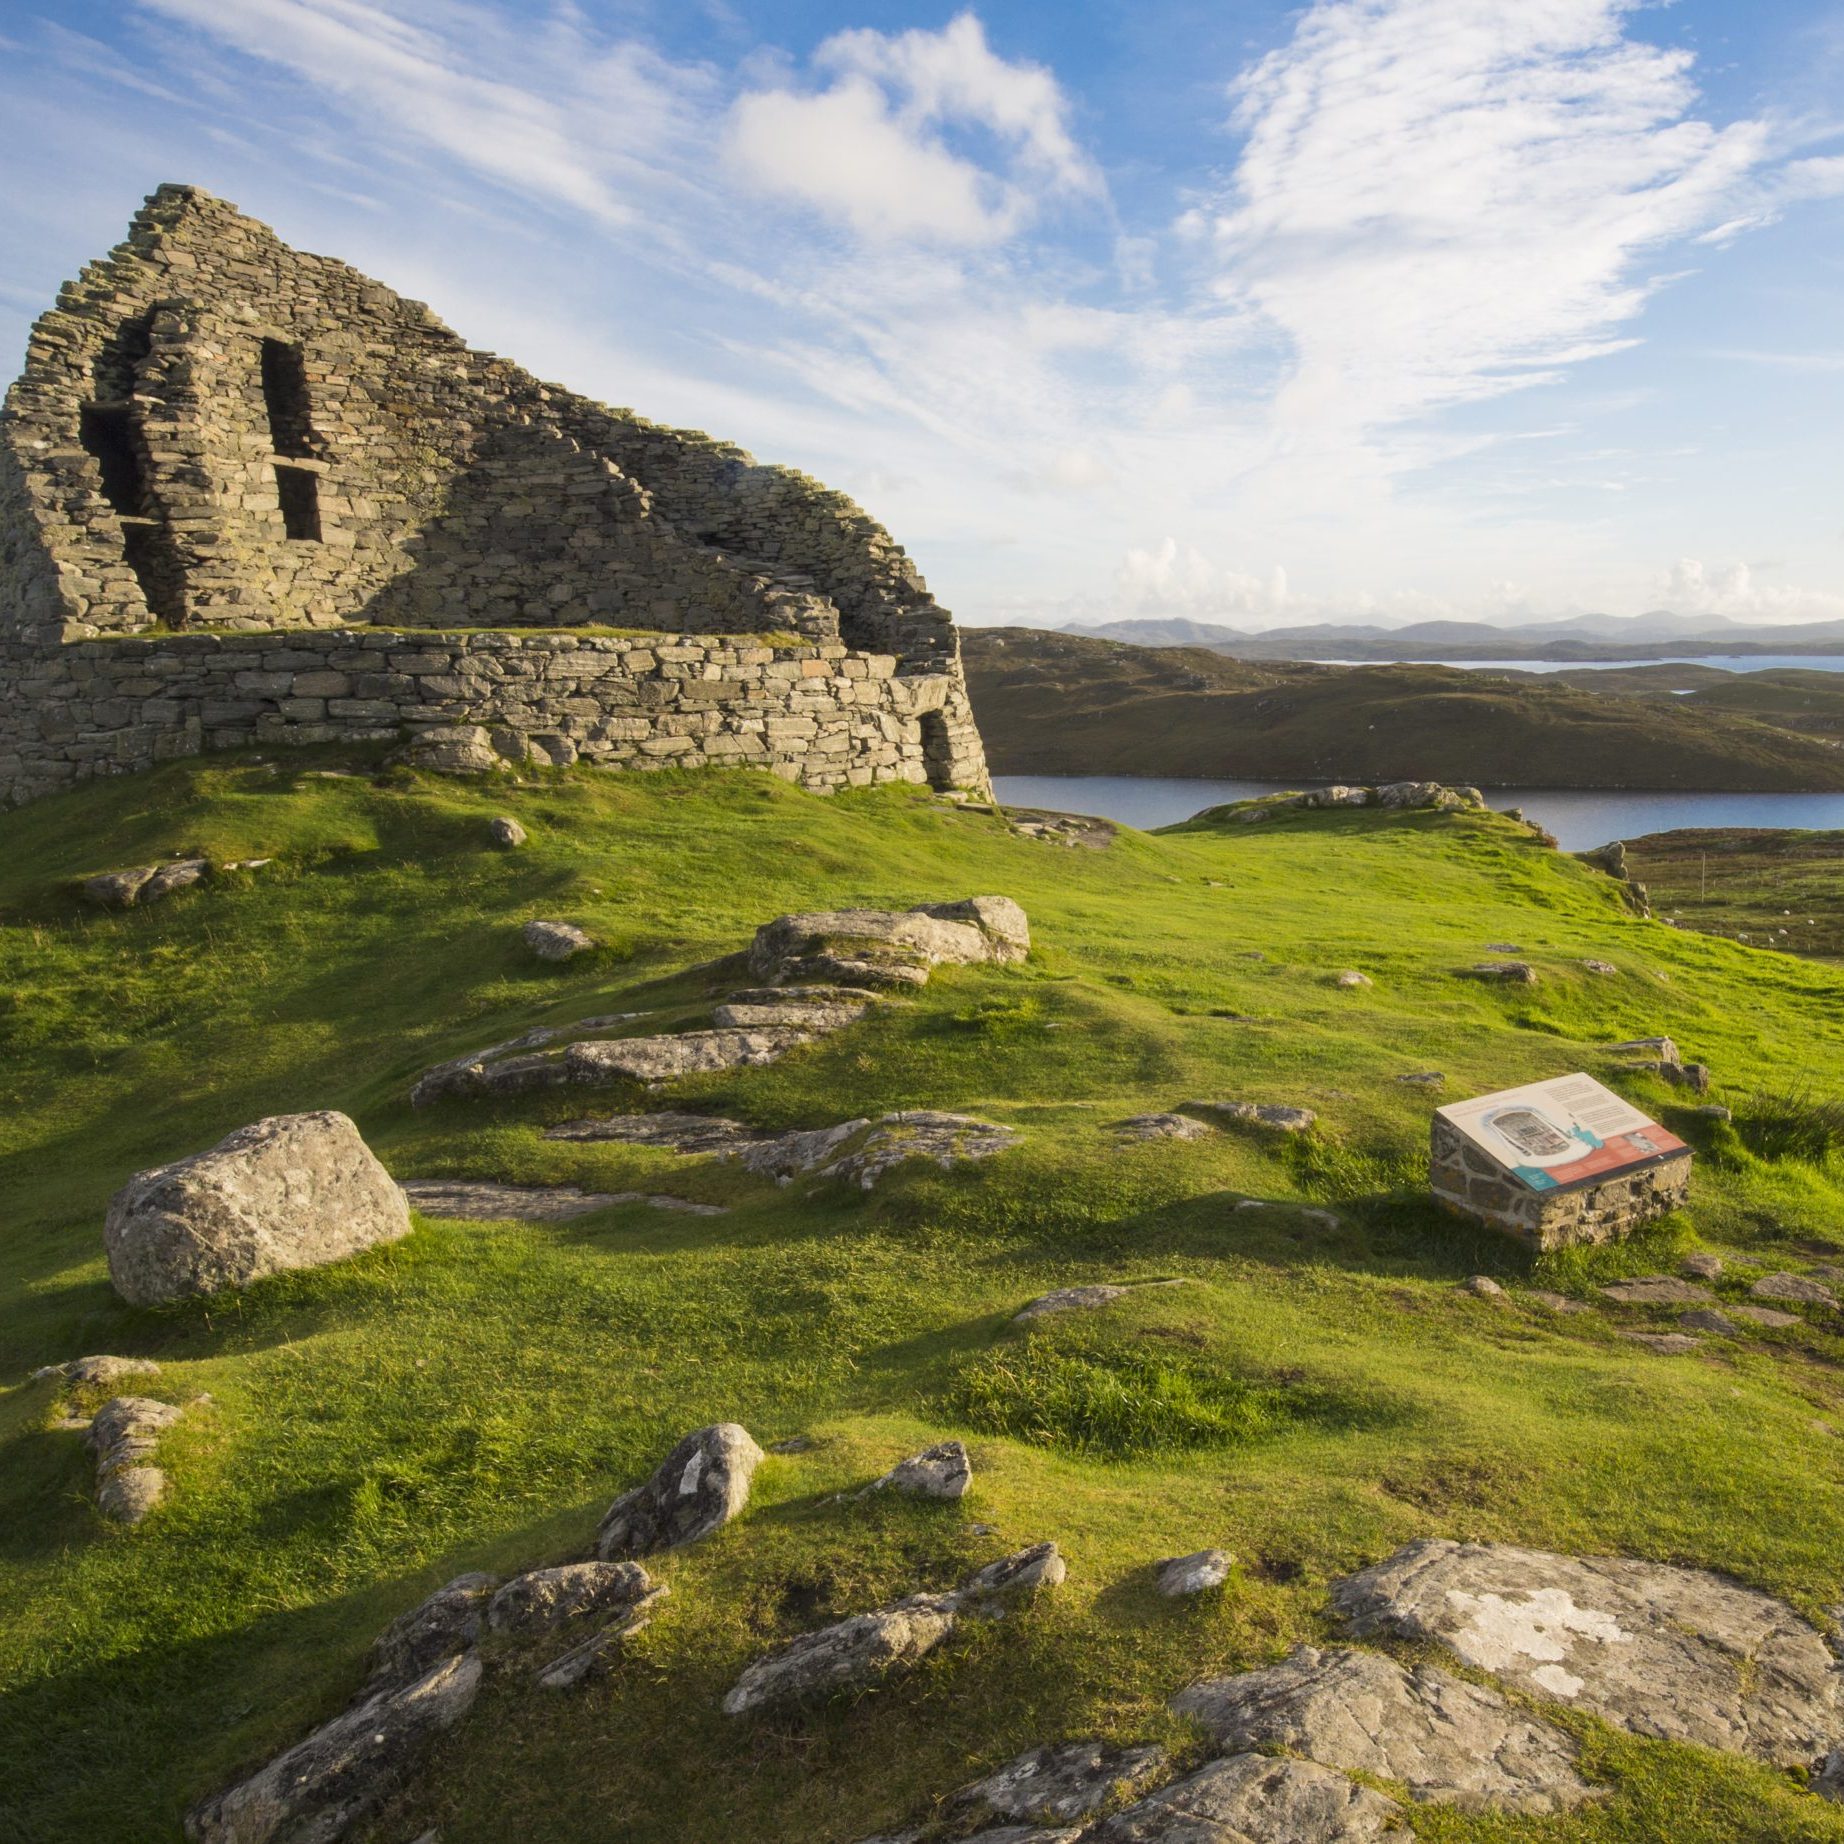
point(1679, 1654)
point(1709, 1319)
point(1659, 1290)
point(1252, 1799)
point(1667, 1344)
point(863, 1151)
point(1795, 1287)
point(1058, 1784)
point(1766, 1315)
point(1448, 1741)
point(476, 1201)
point(1160, 1127)
point(1504, 972)
point(680, 1133)
point(1080, 1299)
point(1265, 1115)
point(1557, 1302)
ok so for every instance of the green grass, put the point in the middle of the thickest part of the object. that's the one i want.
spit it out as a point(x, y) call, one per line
point(1319, 1391)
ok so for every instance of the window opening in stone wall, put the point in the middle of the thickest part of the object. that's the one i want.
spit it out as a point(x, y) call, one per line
point(107, 435)
point(937, 750)
point(298, 493)
point(118, 364)
point(291, 429)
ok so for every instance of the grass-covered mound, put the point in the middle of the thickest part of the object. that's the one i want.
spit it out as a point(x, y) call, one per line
point(1317, 1393)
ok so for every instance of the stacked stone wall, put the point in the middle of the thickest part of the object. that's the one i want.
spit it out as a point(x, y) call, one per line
point(217, 435)
point(819, 714)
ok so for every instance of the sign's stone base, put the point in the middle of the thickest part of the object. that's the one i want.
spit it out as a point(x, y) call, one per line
point(1467, 1183)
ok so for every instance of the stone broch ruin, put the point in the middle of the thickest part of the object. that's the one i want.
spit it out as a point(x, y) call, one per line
point(248, 496)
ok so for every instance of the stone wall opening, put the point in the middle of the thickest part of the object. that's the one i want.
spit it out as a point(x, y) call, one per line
point(297, 491)
point(937, 749)
point(107, 435)
point(285, 397)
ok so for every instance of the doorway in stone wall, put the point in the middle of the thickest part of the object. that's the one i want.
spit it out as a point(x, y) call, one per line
point(291, 439)
point(108, 433)
point(937, 750)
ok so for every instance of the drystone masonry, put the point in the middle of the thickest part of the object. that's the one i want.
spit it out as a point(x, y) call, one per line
point(249, 495)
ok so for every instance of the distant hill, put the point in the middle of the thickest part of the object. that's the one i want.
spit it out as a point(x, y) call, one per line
point(1657, 635)
point(1060, 704)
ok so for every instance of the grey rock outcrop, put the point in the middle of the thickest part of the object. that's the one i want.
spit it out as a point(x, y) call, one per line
point(1250, 1799)
point(145, 883)
point(1448, 1741)
point(479, 1201)
point(1160, 1127)
point(1350, 977)
point(941, 1471)
point(506, 831)
point(1658, 1290)
point(883, 947)
point(1060, 1783)
point(1504, 972)
point(1197, 1573)
point(99, 1371)
point(1083, 1299)
point(1269, 1116)
point(680, 1133)
point(1666, 1344)
point(1797, 1288)
point(294, 1191)
point(697, 1489)
point(594, 1655)
point(686, 1053)
point(1675, 1653)
point(818, 1009)
point(1702, 1266)
point(343, 1772)
point(556, 940)
point(1709, 1319)
point(439, 1627)
point(863, 1151)
point(873, 1645)
point(1767, 1316)
point(543, 1598)
point(124, 1434)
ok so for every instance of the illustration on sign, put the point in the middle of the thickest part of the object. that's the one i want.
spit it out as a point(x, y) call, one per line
point(1561, 1132)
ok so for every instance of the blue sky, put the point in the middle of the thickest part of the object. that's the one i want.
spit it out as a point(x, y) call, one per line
point(1355, 309)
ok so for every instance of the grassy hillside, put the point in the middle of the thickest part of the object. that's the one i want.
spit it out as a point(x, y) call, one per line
point(1775, 887)
point(473, 1396)
point(1060, 704)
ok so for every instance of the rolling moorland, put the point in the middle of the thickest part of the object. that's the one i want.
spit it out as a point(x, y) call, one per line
point(1777, 887)
point(1322, 1390)
point(1060, 704)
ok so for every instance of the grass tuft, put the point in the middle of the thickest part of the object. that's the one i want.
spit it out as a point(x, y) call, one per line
point(1800, 1125)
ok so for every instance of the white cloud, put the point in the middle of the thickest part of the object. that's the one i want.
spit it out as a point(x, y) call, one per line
point(1440, 201)
point(1693, 587)
point(871, 151)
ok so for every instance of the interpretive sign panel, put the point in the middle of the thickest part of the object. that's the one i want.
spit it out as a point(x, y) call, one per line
point(1568, 1131)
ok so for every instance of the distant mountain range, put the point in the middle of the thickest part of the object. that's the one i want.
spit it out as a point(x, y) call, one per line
point(1660, 634)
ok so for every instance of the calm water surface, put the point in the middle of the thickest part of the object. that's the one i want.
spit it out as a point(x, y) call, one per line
point(1579, 819)
point(1723, 662)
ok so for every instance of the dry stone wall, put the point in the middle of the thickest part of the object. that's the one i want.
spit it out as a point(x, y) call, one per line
point(228, 463)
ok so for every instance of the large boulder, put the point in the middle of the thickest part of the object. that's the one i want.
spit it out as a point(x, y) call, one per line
point(342, 1774)
point(1675, 1653)
point(885, 947)
point(697, 1489)
point(1449, 1742)
point(439, 1627)
point(294, 1191)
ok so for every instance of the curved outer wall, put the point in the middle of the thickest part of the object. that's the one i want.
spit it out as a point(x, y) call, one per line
point(228, 465)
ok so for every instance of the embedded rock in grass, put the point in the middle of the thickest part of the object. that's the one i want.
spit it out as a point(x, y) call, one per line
point(865, 1150)
point(145, 883)
point(1059, 1783)
point(1658, 1290)
point(343, 1773)
point(1482, 1286)
point(443, 1625)
point(1160, 1127)
point(1766, 1315)
point(1708, 1319)
point(123, 1435)
point(453, 749)
point(1351, 977)
point(507, 831)
point(941, 1471)
point(688, 1053)
point(486, 1071)
point(1249, 1798)
point(475, 1201)
point(850, 1651)
point(542, 1598)
point(294, 1191)
point(1702, 1266)
point(556, 940)
point(1795, 1287)
point(1693, 1076)
point(1558, 1302)
point(1507, 972)
point(1666, 1344)
point(1423, 1078)
point(1272, 1118)
point(1660, 1049)
point(1669, 1652)
point(871, 1645)
point(883, 947)
point(680, 1133)
point(697, 1489)
point(596, 1653)
point(1600, 966)
point(1427, 794)
point(1449, 1742)
point(97, 1370)
point(1194, 1574)
point(1078, 1299)
point(819, 1009)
